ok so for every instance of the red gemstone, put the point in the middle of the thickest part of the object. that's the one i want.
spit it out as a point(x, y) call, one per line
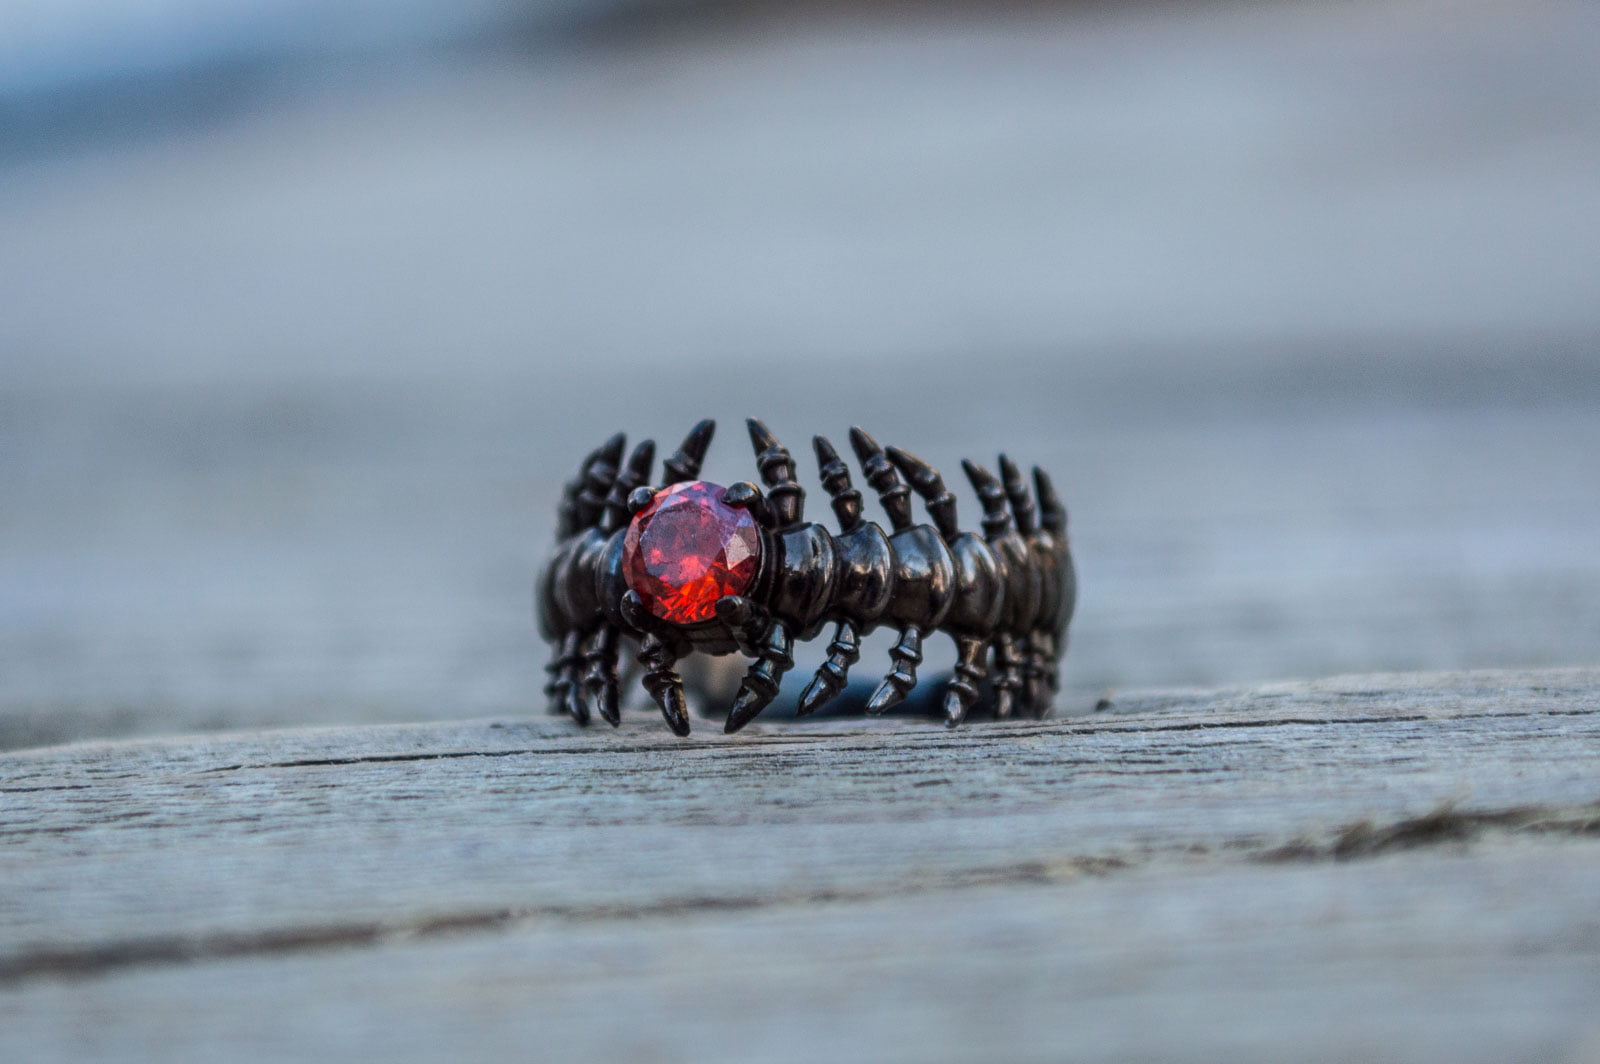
point(687, 549)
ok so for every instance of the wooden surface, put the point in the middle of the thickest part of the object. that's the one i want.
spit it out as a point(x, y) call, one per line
point(1394, 867)
point(1295, 301)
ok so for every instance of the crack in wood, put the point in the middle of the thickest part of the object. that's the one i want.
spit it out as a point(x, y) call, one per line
point(745, 744)
point(1445, 824)
point(101, 960)
point(1361, 839)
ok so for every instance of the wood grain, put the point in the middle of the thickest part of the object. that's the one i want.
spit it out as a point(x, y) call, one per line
point(1395, 865)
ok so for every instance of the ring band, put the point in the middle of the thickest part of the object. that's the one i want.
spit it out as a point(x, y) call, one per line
point(693, 566)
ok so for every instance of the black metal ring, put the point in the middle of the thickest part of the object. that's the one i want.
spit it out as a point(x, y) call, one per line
point(694, 566)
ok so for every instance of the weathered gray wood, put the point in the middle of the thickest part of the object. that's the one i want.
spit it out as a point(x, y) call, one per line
point(1392, 865)
point(1441, 956)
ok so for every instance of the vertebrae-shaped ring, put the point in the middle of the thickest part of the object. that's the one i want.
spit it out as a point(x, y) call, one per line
point(692, 566)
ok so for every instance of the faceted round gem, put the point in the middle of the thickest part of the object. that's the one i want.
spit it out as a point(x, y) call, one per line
point(687, 549)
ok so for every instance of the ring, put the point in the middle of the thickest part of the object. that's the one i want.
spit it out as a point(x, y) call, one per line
point(693, 566)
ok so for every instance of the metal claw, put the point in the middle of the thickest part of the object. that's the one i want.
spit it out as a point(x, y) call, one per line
point(567, 513)
point(686, 460)
point(996, 518)
point(962, 689)
point(892, 492)
point(1052, 514)
point(660, 679)
point(761, 682)
point(635, 473)
point(843, 652)
point(597, 481)
point(601, 677)
point(1017, 492)
point(836, 481)
point(907, 655)
point(784, 495)
point(930, 485)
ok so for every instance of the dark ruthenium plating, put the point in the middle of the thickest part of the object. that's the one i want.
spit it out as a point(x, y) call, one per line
point(1009, 591)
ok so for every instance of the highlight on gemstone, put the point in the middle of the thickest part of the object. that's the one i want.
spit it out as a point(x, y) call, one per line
point(687, 549)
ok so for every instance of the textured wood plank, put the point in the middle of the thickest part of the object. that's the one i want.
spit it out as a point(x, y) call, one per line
point(1306, 424)
point(1492, 955)
point(119, 856)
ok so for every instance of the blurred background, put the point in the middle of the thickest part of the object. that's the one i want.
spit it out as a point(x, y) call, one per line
point(306, 309)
